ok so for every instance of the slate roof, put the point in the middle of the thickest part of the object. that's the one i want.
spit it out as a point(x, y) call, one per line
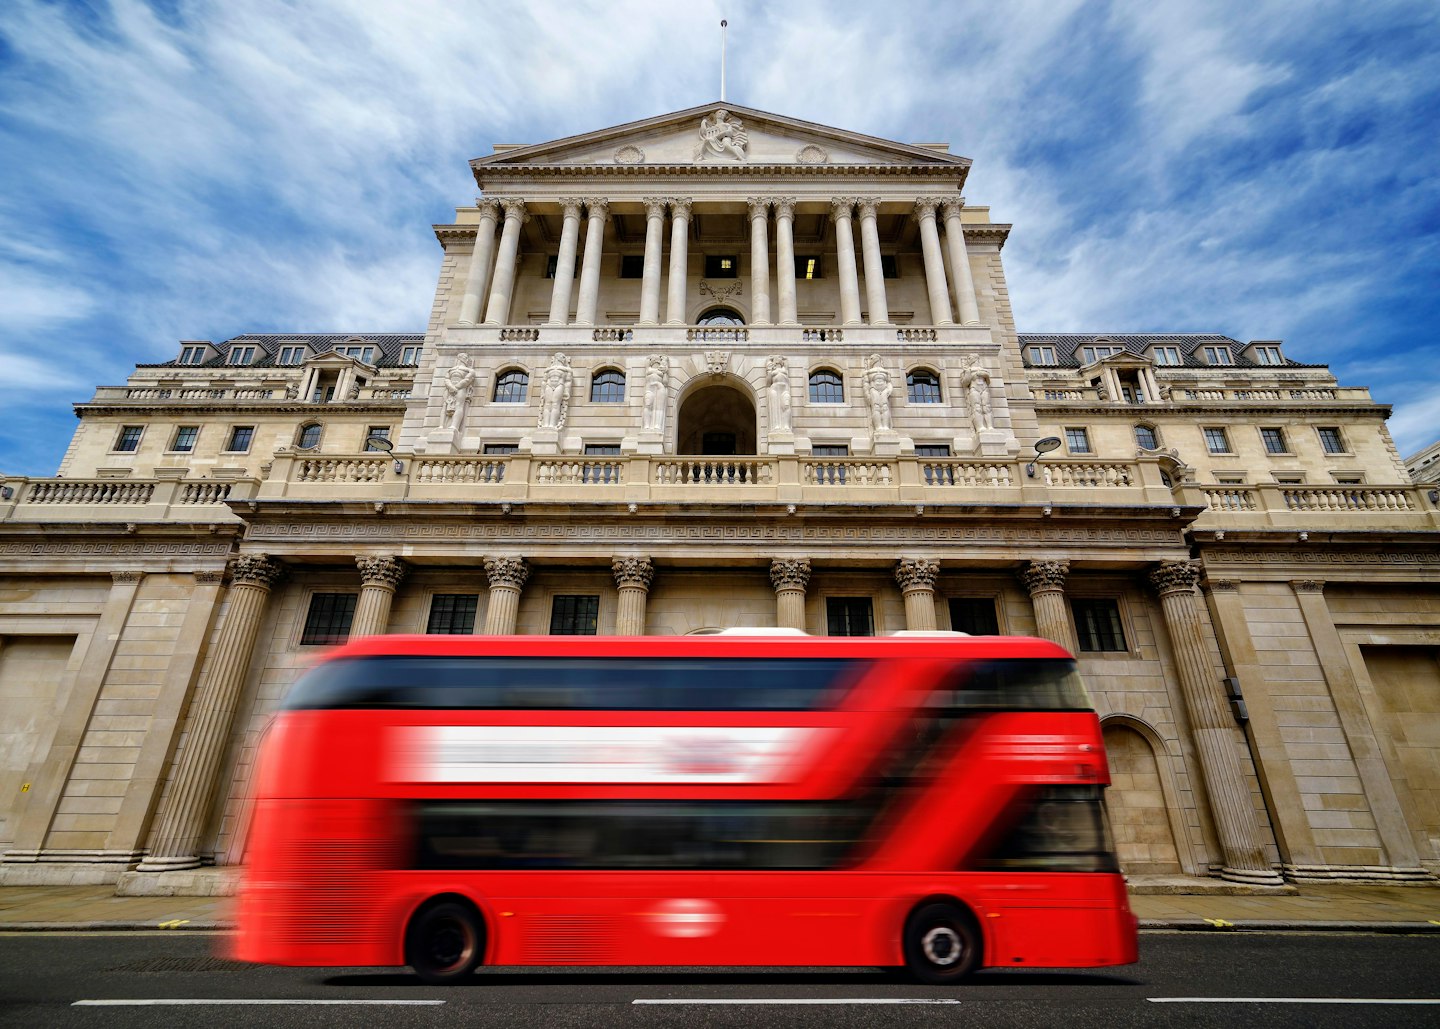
point(388, 344)
point(1067, 347)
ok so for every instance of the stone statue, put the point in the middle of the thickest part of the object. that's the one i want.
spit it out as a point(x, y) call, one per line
point(976, 381)
point(720, 134)
point(657, 387)
point(459, 383)
point(777, 373)
point(878, 390)
point(555, 393)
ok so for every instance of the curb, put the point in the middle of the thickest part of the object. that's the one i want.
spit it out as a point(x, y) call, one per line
point(175, 925)
point(1272, 926)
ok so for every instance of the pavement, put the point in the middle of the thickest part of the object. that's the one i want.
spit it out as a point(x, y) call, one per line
point(1330, 907)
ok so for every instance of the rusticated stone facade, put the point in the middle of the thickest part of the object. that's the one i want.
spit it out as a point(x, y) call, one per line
point(803, 402)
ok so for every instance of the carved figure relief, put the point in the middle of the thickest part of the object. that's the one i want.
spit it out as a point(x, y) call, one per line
point(459, 384)
point(555, 393)
point(657, 393)
point(777, 373)
point(976, 381)
point(720, 134)
point(878, 390)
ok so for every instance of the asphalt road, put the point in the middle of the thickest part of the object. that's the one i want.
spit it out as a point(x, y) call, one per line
point(43, 976)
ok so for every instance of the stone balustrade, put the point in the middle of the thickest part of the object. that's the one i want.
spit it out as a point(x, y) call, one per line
point(579, 337)
point(123, 500)
point(1089, 395)
point(1312, 508)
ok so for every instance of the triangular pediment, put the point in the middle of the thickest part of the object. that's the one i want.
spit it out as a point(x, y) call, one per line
point(721, 134)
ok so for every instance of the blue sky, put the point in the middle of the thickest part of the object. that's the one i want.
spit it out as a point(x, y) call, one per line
point(198, 170)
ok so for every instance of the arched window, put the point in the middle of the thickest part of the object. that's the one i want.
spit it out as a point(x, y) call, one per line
point(922, 386)
point(607, 387)
point(826, 387)
point(721, 316)
point(309, 436)
point(1147, 437)
point(511, 387)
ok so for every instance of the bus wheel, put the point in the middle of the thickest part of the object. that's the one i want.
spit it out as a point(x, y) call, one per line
point(942, 943)
point(444, 943)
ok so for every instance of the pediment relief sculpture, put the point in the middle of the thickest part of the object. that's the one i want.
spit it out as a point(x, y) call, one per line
point(721, 135)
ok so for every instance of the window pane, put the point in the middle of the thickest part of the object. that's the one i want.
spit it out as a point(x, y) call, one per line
point(608, 387)
point(452, 613)
point(376, 432)
point(1274, 440)
point(849, 616)
point(722, 266)
point(502, 448)
point(807, 266)
point(1078, 441)
point(889, 266)
point(922, 387)
point(328, 622)
point(1145, 437)
point(185, 437)
point(1331, 441)
point(1216, 441)
point(975, 615)
point(932, 450)
point(826, 387)
point(129, 438)
point(632, 266)
point(309, 437)
point(240, 438)
point(574, 615)
point(511, 387)
point(1097, 625)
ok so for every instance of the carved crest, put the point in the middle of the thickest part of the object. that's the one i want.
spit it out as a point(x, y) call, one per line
point(812, 154)
point(629, 154)
point(721, 293)
point(716, 360)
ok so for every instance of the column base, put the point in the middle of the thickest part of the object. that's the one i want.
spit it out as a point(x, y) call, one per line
point(1374, 874)
point(65, 867)
point(182, 863)
point(1252, 876)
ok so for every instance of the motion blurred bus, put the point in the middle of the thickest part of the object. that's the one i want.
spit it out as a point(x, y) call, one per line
point(930, 803)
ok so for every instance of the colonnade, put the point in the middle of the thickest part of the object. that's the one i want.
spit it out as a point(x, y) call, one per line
point(509, 214)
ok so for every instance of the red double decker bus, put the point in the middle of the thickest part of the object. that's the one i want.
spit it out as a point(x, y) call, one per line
point(441, 802)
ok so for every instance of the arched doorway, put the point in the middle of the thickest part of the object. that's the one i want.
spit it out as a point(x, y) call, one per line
point(717, 420)
point(1139, 817)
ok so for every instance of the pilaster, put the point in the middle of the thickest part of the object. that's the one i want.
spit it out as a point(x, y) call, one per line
point(633, 576)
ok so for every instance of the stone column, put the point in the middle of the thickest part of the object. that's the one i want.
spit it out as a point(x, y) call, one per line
point(840, 209)
point(175, 841)
point(565, 263)
point(759, 262)
point(379, 575)
point(1150, 385)
point(916, 577)
point(1046, 582)
point(650, 276)
point(507, 576)
point(960, 264)
point(934, 262)
point(479, 269)
point(679, 261)
point(598, 211)
point(874, 267)
point(633, 576)
point(785, 259)
point(1212, 726)
point(790, 576)
point(497, 310)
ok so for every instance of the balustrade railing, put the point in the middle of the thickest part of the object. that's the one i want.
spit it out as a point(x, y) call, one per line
point(713, 472)
point(847, 472)
point(1090, 474)
point(730, 334)
point(1347, 498)
point(204, 492)
point(459, 470)
point(342, 469)
point(1230, 498)
point(579, 472)
point(81, 491)
point(955, 472)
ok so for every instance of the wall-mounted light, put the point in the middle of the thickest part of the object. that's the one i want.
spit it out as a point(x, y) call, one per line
point(1042, 447)
point(383, 444)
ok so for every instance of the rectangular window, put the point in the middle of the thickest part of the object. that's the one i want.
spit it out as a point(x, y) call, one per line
point(807, 266)
point(551, 264)
point(1349, 480)
point(889, 266)
point(502, 448)
point(1289, 480)
point(1145, 437)
point(572, 615)
point(376, 432)
point(932, 449)
point(240, 438)
point(366, 354)
point(1218, 355)
point(1092, 354)
point(849, 616)
point(452, 614)
point(1331, 440)
point(603, 449)
point(1268, 355)
point(185, 438)
point(975, 615)
point(291, 355)
point(1216, 441)
point(830, 450)
point(1042, 355)
point(723, 266)
point(1167, 355)
point(410, 355)
point(1077, 441)
point(241, 355)
point(632, 266)
point(1274, 440)
point(129, 439)
point(327, 624)
point(1097, 625)
point(192, 355)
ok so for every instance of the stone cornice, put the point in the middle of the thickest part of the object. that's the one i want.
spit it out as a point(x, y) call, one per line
point(285, 406)
point(701, 171)
point(1249, 408)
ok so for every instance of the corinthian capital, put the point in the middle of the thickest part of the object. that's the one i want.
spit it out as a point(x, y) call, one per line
point(570, 207)
point(255, 570)
point(759, 207)
point(680, 207)
point(953, 206)
point(488, 207)
point(916, 574)
point(784, 207)
point(867, 207)
point(1174, 577)
point(597, 207)
point(514, 208)
point(841, 207)
point(654, 207)
point(506, 572)
point(380, 570)
point(925, 206)
point(634, 572)
point(1045, 576)
point(790, 573)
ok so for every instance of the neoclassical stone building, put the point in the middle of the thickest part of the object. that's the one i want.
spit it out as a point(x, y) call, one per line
point(718, 368)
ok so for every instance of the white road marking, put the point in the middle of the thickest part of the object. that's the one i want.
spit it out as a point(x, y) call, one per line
point(801, 1000)
point(1292, 1000)
point(149, 1002)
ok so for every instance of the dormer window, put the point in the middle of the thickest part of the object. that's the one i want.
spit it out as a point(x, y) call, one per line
point(241, 355)
point(362, 353)
point(1042, 354)
point(192, 355)
point(410, 355)
point(1218, 355)
point(1089, 355)
point(1167, 355)
point(291, 355)
point(1268, 355)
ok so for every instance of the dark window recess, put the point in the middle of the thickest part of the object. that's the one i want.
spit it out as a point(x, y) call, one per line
point(185, 438)
point(502, 448)
point(240, 438)
point(1046, 684)
point(935, 474)
point(452, 614)
point(808, 266)
point(826, 387)
point(607, 387)
point(572, 615)
point(328, 622)
point(717, 444)
point(654, 834)
point(975, 615)
point(721, 266)
point(129, 438)
point(1097, 624)
point(632, 266)
point(889, 266)
point(849, 616)
point(551, 263)
point(1050, 829)
point(576, 683)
